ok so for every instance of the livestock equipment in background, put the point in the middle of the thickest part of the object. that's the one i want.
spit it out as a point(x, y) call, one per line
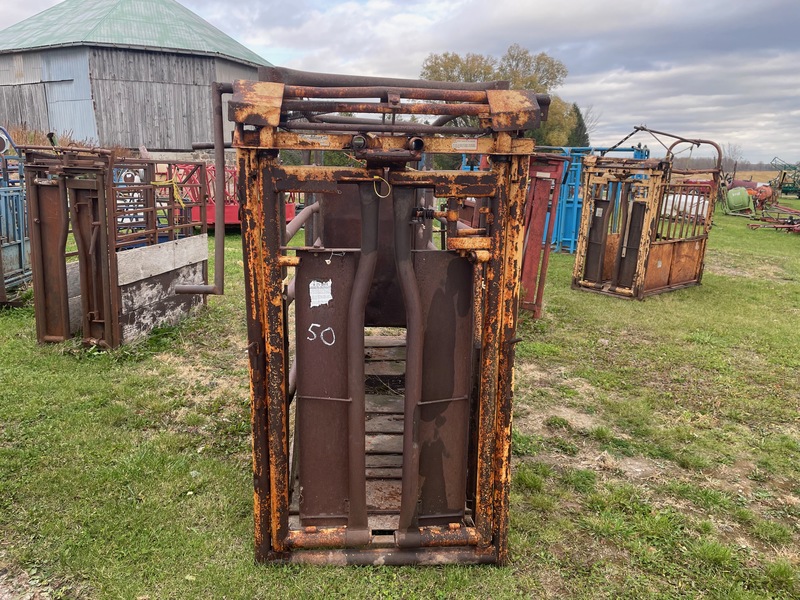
point(787, 182)
point(778, 217)
point(15, 260)
point(567, 221)
point(229, 192)
point(137, 244)
point(400, 360)
point(645, 228)
point(541, 208)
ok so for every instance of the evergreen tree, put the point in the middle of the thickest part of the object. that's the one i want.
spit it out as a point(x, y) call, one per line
point(579, 136)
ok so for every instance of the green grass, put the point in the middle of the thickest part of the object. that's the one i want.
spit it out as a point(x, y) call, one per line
point(671, 468)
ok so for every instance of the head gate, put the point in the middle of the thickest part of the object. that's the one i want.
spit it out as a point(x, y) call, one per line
point(381, 347)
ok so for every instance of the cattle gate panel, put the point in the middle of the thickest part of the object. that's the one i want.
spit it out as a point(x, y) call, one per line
point(131, 223)
point(15, 260)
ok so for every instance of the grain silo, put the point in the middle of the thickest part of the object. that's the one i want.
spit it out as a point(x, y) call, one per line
point(126, 73)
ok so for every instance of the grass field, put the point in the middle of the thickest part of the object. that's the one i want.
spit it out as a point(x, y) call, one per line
point(656, 451)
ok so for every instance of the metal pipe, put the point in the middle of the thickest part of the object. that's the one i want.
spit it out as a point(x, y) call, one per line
point(404, 200)
point(99, 151)
point(304, 215)
point(292, 389)
point(477, 96)
point(308, 78)
point(418, 108)
point(357, 524)
point(538, 299)
point(217, 89)
point(291, 291)
point(378, 127)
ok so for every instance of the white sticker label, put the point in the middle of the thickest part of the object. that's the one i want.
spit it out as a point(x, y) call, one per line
point(543, 175)
point(319, 140)
point(598, 212)
point(465, 145)
point(320, 292)
point(658, 264)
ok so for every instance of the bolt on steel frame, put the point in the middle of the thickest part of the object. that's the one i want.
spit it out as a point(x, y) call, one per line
point(397, 449)
point(645, 223)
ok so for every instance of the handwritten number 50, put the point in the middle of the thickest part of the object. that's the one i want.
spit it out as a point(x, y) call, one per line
point(327, 336)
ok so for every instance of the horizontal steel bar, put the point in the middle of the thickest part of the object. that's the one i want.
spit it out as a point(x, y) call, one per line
point(410, 93)
point(379, 127)
point(308, 78)
point(409, 108)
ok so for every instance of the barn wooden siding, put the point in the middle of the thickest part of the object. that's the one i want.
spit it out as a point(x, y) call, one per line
point(48, 91)
point(158, 100)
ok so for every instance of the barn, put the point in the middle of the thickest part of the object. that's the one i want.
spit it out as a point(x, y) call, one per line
point(125, 73)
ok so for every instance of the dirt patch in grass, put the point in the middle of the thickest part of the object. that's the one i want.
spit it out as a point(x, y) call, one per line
point(533, 421)
point(19, 584)
point(730, 265)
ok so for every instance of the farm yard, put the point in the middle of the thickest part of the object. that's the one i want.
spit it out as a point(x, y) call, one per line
point(401, 313)
point(656, 451)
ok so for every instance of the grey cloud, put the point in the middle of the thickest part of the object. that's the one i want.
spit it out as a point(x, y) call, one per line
point(709, 68)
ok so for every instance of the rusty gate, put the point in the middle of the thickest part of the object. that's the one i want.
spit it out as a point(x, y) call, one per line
point(111, 240)
point(645, 223)
point(381, 370)
point(541, 208)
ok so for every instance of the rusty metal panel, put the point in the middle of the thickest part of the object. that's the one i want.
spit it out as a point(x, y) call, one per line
point(514, 109)
point(446, 292)
point(541, 208)
point(49, 224)
point(598, 236)
point(686, 261)
point(98, 298)
point(111, 214)
point(658, 266)
point(341, 215)
point(630, 239)
point(610, 255)
point(322, 299)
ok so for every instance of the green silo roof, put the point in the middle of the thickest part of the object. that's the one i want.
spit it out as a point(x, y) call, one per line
point(151, 24)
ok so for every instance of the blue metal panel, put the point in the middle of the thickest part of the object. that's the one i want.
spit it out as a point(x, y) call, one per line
point(570, 201)
point(15, 243)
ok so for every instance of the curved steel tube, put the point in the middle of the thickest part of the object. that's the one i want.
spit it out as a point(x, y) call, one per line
point(304, 215)
point(357, 524)
point(404, 200)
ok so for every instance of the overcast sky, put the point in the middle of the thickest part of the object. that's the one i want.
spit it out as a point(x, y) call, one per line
point(722, 70)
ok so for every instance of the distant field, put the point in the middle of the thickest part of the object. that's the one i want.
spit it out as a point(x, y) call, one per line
point(760, 176)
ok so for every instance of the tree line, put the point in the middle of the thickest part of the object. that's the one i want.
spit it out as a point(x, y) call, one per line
point(566, 125)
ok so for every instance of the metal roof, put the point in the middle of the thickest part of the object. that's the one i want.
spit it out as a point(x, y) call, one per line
point(143, 24)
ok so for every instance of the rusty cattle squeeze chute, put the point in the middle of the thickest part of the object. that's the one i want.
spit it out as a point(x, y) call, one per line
point(645, 222)
point(399, 365)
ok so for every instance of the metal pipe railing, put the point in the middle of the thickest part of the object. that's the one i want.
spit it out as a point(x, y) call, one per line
point(217, 89)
